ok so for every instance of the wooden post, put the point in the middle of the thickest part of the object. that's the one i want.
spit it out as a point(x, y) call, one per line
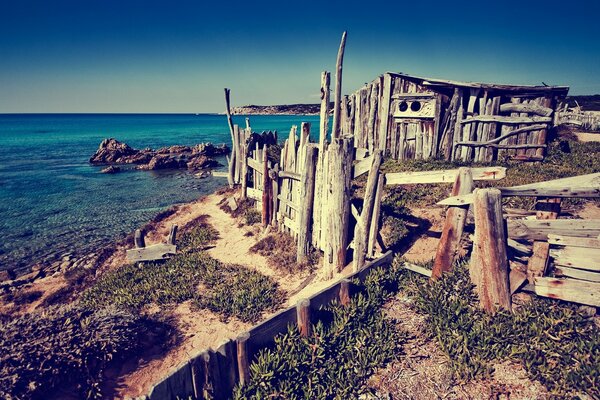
point(335, 131)
point(374, 228)
point(344, 294)
point(303, 317)
point(320, 177)
point(361, 230)
point(232, 158)
point(244, 174)
point(172, 239)
point(307, 192)
point(546, 208)
point(267, 191)
point(243, 362)
point(448, 246)
point(275, 184)
point(227, 361)
point(489, 263)
point(140, 243)
point(337, 209)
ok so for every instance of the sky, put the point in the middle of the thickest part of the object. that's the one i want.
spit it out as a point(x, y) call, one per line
point(105, 56)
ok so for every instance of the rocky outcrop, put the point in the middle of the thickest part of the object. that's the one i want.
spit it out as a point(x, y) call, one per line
point(197, 157)
point(110, 170)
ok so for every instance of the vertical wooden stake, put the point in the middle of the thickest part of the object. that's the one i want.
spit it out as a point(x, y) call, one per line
point(374, 228)
point(547, 208)
point(275, 184)
point(335, 131)
point(267, 191)
point(243, 362)
point(361, 231)
point(489, 263)
point(140, 243)
point(454, 224)
point(344, 292)
point(232, 158)
point(307, 192)
point(303, 317)
point(172, 239)
point(320, 176)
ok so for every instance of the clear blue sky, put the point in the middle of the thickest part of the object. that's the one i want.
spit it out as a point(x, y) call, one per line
point(176, 56)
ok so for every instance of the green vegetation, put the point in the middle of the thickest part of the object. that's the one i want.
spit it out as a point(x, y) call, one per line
point(556, 344)
point(200, 236)
point(335, 361)
point(280, 251)
point(68, 345)
point(226, 289)
point(565, 158)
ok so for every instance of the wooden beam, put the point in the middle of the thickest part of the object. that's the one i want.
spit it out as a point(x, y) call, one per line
point(255, 165)
point(574, 290)
point(526, 108)
point(307, 193)
point(418, 269)
point(290, 175)
point(362, 166)
point(443, 176)
point(303, 315)
point(538, 262)
point(335, 130)
point(160, 251)
point(489, 263)
point(374, 227)
point(448, 246)
point(581, 274)
point(503, 137)
point(539, 229)
point(507, 120)
point(573, 241)
point(577, 257)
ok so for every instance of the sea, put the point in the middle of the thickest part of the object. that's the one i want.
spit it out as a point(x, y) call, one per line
point(54, 203)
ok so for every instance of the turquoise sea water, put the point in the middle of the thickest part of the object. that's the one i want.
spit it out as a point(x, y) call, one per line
point(52, 201)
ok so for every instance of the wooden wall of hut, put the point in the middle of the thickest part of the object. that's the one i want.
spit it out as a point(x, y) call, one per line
point(466, 123)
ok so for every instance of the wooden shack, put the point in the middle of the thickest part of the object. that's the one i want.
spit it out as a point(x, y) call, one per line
point(410, 117)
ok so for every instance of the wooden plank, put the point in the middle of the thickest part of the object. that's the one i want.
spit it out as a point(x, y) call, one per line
point(290, 175)
point(255, 165)
point(518, 248)
point(573, 241)
point(362, 166)
point(577, 257)
point(418, 269)
point(538, 262)
point(581, 274)
point(448, 246)
point(374, 227)
point(307, 193)
point(361, 153)
point(291, 224)
point(303, 317)
point(177, 384)
point(540, 229)
point(254, 193)
point(516, 279)
point(337, 100)
point(526, 108)
point(443, 176)
point(507, 120)
point(243, 358)
point(153, 252)
point(489, 263)
point(288, 203)
point(574, 290)
point(226, 357)
point(262, 335)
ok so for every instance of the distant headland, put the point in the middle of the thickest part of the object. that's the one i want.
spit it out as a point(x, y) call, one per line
point(284, 109)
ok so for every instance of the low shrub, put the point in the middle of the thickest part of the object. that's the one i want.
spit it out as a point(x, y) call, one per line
point(556, 344)
point(24, 297)
point(335, 361)
point(281, 250)
point(198, 237)
point(252, 216)
point(67, 345)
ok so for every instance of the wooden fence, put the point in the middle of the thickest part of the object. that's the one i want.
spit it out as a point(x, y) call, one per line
point(214, 373)
point(585, 120)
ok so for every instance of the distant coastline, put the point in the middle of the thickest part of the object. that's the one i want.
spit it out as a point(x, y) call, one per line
point(284, 109)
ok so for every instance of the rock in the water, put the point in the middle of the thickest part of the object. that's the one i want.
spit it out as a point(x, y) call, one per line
point(111, 170)
point(201, 162)
point(165, 161)
point(112, 151)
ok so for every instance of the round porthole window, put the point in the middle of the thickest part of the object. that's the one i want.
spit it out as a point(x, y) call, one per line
point(415, 106)
point(403, 106)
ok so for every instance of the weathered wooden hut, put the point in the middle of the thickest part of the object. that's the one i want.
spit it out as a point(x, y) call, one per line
point(410, 117)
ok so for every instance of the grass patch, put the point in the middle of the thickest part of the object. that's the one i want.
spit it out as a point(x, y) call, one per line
point(198, 237)
point(555, 343)
point(68, 345)
point(281, 250)
point(335, 361)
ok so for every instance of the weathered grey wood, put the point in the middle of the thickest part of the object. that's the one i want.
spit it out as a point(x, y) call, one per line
point(539, 229)
point(574, 290)
point(226, 355)
point(362, 166)
point(573, 241)
point(507, 120)
point(320, 177)
point(489, 263)
point(303, 314)
point(344, 294)
point(517, 279)
point(442, 176)
point(418, 269)
point(502, 137)
point(307, 192)
point(153, 252)
point(139, 239)
point(361, 230)
point(274, 174)
point(538, 262)
point(518, 248)
point(290, 175)
point(374, 227)
point(335, 130)
point(577, 257)
point(526, 108)
point(232, 158)
point(178, 384)
point(576, 273)
point(267, 200)
point(243, 359)
point(337, 208)
point(172, 238)
point(288, 203)
point(449, 244)
point(384, 108)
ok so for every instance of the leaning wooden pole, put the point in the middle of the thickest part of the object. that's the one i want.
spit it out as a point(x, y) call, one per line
point(361, 230)
point(454, 224)
point(232, 158)
point(337, 208)
point(335, 131)
point(307, 195)
point(489, 263)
